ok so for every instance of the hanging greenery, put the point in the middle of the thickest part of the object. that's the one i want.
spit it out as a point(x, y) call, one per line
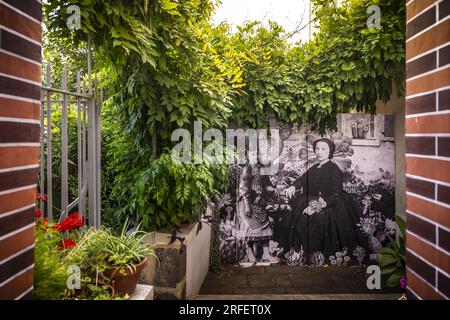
point(161, 70)
point(345, 66)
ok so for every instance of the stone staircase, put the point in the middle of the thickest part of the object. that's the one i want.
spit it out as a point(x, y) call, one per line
point(278, 282)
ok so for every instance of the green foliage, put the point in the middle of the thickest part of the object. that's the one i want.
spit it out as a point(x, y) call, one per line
point(99, 250)
point(345, 66)
point(50, 272)
point(96, 251)
point(90, 256)
point(161, 68)
point(261, 56)
point(163, 73)
point(99, 291)
point(129, 249)
point(392, 258)
point(72, 151)
point(164, 193)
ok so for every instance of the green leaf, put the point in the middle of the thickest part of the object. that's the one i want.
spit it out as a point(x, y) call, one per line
point(387, 251)
point(386, 260)
point(394, 279)
point(169, 6)
point(388, 270)
point(401, 225)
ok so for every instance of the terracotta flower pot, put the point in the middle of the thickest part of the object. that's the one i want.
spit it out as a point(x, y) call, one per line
point(125, 283)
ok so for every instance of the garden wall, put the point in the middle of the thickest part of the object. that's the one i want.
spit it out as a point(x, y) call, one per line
point(20, 60)
point(396, 106)
point(428, 149)
point(181, 266)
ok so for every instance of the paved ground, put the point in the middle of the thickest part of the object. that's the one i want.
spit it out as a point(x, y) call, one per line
point(292, 283)
point(285, 297)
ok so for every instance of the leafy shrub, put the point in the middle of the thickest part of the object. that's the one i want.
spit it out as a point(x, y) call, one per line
point(163, 193)
point(50, 271)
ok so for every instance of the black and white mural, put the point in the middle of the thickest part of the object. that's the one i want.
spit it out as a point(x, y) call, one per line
point(331, 201)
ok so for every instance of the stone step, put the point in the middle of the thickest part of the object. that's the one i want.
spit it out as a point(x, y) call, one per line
point(143, 292)
point(389, 296)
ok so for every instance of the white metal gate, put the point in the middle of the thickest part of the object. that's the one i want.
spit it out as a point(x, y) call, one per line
point(88, 149)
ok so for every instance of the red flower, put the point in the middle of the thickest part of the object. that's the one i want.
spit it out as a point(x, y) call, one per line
point(72, 222)
point(66, 243)
point(59, 227)
point(37, 213)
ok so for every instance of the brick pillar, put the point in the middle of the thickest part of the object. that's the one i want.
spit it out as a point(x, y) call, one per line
point(20, 59)
point(428, 149)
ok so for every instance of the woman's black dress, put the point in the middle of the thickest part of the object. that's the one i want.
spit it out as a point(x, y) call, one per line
point(332, 228)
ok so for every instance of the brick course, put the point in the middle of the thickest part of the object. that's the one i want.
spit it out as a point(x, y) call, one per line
point(427, 126)
point(20, 59)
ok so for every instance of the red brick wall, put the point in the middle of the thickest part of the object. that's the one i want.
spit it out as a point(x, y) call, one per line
point(428, 149)
point(20, 58)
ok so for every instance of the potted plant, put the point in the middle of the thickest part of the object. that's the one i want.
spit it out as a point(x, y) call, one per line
point(126, 257)
point(115, 261)
point(359, 129)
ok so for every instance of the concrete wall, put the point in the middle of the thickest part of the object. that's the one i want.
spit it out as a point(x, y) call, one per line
point(181, 268)
point(197, 264)
point(396, 105)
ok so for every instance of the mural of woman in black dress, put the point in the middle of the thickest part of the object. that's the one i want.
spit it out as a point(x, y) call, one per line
point(324, 217)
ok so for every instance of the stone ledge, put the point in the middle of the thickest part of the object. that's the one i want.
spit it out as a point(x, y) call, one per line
point(143, 292)
point(179, 271)
point(162, 236)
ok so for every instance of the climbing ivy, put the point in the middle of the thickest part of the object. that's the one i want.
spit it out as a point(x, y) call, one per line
point(345, 66)
point(162, 70)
